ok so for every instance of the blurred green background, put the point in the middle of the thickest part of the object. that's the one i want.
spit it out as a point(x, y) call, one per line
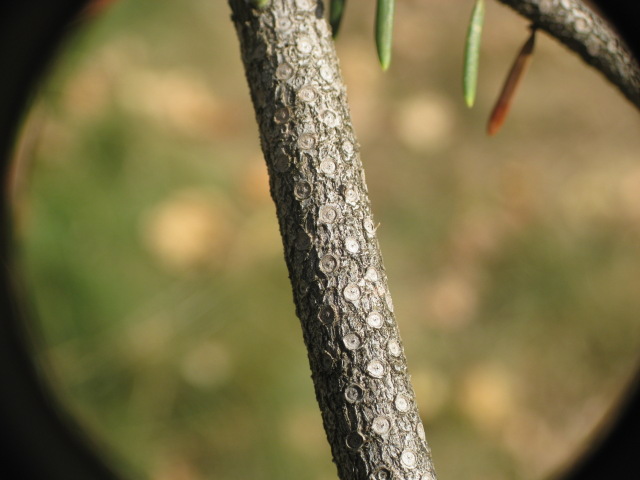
point(151, 251)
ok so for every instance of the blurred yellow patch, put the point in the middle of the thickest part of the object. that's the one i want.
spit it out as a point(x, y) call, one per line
point(177, 99)
point(486, 396)
point(425, 122)
point(189, 230)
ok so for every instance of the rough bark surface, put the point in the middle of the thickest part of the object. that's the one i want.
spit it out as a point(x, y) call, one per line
point(587, 34)
point(339, 283)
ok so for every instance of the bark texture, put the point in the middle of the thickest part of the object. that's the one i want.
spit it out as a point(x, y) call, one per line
point(339, 283)
point(587, 34)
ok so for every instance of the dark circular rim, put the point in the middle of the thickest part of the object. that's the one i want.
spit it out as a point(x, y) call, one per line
point(41, 441)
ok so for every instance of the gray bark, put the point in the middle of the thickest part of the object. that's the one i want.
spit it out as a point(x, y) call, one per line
point(583, 31)
point(339, 283)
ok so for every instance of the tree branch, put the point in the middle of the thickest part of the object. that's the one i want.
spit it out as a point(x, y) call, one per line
point(586, 33)
point(339, 284)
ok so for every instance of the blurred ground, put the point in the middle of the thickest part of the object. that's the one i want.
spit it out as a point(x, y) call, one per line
point(164, 313)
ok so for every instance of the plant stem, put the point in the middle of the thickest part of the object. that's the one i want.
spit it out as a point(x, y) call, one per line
point(339, 283)
point(583, 31)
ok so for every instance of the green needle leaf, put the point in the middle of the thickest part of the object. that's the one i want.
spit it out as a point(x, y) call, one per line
point(472, 53)
point(336, 8)
point(384, 31)
point(259, 4)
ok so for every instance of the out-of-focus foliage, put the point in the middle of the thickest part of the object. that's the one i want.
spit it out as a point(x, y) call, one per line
point(151, 248)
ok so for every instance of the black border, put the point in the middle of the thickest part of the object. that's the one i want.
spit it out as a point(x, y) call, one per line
point(39, 440)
